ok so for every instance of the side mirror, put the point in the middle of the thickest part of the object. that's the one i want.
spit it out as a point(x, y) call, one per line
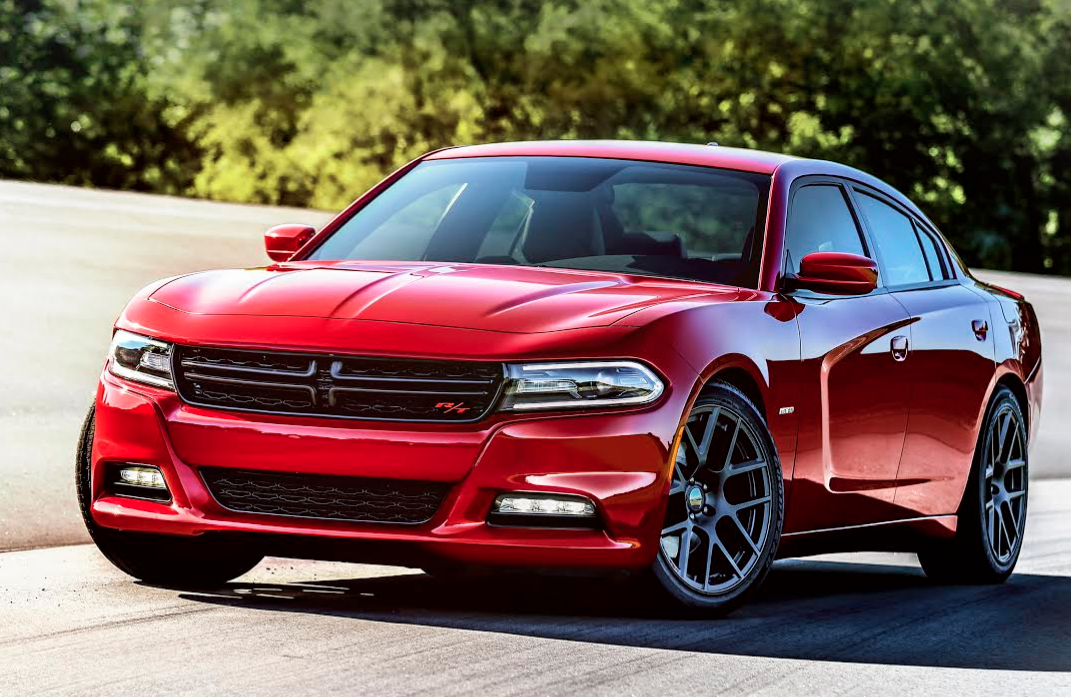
point(837, 273)
point(283, 240)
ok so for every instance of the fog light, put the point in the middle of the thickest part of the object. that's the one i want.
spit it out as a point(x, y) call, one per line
point(137, 482)
point(553, 510)
point(142, 476)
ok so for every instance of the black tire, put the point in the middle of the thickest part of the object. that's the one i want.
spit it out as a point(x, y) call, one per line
point(164, 560)
point(728, 577)
point(971, 557)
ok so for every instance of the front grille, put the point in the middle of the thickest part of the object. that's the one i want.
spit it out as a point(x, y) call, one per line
point(340, 386)
point(326, 497)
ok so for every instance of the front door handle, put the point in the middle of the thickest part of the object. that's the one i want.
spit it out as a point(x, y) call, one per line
point(981, 328)
point(898, 346)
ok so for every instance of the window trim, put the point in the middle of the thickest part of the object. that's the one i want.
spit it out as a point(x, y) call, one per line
point(864, 237)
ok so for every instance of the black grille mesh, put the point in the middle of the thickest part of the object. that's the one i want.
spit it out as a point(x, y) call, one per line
point(345, 386)
point(326, 497)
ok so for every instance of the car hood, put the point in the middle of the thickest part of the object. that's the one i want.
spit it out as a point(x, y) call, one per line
point(469, 296)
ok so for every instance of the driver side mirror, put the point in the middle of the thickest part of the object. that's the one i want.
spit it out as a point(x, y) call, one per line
point(836, 273)
point(282, 241)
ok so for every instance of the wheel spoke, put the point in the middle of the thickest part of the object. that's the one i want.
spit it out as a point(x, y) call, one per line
point(708, 435)
point(740, 527)
point(1014, 464)
point(679, 480)
point(692, 444)
point(751, 503)
point(745, 467)
point(991, 527)
point(684, 524)
point(728, 557)
point(1004, 534)
point(1013, 516)
point(732, 447)
point(706, 568)
point(685, 552)
point(1003, 437)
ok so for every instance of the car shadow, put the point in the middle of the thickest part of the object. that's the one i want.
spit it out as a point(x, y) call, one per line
point(812, 610)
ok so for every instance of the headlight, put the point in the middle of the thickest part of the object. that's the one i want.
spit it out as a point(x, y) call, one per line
point(141, 359)
point(591, 384)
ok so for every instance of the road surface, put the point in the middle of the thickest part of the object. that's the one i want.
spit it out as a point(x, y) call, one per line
point(71, 260)
point(844, 625)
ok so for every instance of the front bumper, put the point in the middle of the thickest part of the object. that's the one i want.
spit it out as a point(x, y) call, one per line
point(620, 460)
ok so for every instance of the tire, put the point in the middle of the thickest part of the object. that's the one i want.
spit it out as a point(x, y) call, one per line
point(992, 515)
point(164, 560)
point(734, 523)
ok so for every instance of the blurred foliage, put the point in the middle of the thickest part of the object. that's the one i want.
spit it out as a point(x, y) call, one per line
point(962, 105)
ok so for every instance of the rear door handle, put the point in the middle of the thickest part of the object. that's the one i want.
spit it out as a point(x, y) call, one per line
point(898, 346)
point(981, 328)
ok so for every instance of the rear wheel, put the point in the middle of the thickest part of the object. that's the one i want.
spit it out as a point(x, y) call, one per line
point(723, 519)
point(992, 517)
point(157, 559)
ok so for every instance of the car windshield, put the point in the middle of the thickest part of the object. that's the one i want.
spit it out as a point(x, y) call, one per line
point(624, 216)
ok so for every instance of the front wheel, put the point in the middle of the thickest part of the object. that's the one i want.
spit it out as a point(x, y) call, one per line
point(726, 504)
point(163, 560)
point(992, 516)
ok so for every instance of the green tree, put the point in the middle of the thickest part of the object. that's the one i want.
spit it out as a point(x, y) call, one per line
point(963, 106)
point(73, 108)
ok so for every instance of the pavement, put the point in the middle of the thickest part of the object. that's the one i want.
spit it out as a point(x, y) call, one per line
point(837, 625)
point(71, 260)
point(71, 624)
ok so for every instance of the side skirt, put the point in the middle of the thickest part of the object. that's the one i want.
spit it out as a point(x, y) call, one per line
point(907, 535)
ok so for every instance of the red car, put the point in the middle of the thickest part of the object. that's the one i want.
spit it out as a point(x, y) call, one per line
point(678, 361)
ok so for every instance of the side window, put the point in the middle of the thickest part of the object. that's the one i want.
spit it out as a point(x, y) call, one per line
point(819, 220)
point(894, 236)
point(934, 258)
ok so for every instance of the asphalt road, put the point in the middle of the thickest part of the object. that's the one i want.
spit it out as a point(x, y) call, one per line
point(862, 625)
point(70, 623)
point(71, 260)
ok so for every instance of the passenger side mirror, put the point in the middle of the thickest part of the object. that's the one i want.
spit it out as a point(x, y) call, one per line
point(837, 273)
point(282, 241)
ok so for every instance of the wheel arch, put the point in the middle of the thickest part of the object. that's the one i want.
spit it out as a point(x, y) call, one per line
point(1014, 383)
point(1004, 377)
point(743, 380)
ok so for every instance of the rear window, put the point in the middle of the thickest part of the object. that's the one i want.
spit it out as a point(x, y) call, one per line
point(621, 216)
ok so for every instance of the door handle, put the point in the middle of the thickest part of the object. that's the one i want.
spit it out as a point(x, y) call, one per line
point(898, 346)
point(981, 328)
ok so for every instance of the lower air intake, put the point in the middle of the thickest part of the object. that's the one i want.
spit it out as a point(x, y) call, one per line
point(352, 499)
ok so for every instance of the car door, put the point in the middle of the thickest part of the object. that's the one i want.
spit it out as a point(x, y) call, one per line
point(854, 392)
point(950, 358)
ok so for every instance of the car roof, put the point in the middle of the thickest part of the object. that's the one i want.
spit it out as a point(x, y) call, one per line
point(676, 153)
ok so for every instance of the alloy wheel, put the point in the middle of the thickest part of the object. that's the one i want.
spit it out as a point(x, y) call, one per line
point(720, 508)
point(1005, 484)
